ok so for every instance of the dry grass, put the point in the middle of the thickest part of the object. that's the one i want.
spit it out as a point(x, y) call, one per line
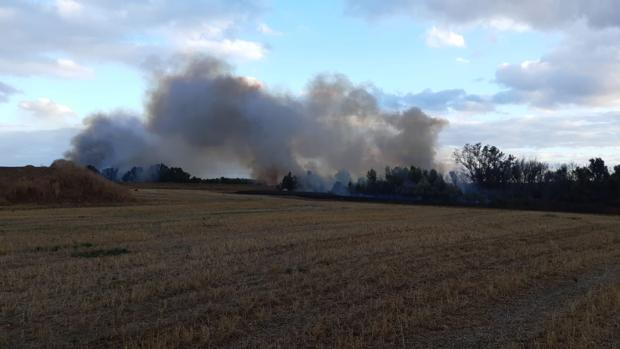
point(62, 182)
point(592, 321)
point(207, 269)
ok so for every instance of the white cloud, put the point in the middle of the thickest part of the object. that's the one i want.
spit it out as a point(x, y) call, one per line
point(46, 108)
point(263, 28)
point(68, 8)
point(462, 60)
point(213, 29)
point(583, 70)
point(34, 33)
point(70, 69)
point(580, 135)
point(225, 48)
point(211, 39)
point(62, 67)
point(436, 37)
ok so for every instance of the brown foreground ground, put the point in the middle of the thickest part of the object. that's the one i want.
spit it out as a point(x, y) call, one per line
point(193, 268)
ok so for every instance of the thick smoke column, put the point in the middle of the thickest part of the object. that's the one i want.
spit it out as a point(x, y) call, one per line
point(203, 117)
point(117, 140)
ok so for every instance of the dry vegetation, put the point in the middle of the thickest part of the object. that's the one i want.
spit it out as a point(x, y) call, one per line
point(61, 183)
point(589, 322)
point(193, 268)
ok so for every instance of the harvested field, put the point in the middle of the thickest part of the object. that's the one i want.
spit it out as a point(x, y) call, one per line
point(194, 268)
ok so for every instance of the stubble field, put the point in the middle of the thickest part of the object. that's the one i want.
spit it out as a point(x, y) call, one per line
point(194, 268)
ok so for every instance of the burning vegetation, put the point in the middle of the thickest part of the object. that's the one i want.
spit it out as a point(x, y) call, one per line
point(486, 176)
point(161, 173)
point(203, 117)
point(154, 173)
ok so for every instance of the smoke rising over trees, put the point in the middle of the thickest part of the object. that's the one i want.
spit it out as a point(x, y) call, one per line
point(202, 114)
point(491, 177)
point(154, 173)
point(413, 182)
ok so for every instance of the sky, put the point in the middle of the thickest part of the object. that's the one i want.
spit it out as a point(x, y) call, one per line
point(539, 79)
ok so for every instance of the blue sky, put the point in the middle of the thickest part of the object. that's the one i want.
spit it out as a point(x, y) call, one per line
point(541, 81)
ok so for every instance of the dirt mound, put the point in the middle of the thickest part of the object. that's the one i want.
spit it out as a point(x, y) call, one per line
point(62, 182)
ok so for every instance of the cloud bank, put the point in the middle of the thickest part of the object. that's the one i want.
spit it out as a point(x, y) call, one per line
point(583, 70)
point(69, 34)
point(538, 14)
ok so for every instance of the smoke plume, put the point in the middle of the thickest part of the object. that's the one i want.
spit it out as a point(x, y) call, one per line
point(208, 120)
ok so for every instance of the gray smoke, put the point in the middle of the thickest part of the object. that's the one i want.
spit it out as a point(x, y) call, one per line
point(112, 140)
point(204, 118)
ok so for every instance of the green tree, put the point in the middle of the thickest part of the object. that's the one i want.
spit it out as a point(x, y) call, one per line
point(486, 165)
point(599, 171)
point(371, 176)
point(289, 182)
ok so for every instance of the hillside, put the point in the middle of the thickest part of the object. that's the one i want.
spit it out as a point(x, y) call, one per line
point(61, 183)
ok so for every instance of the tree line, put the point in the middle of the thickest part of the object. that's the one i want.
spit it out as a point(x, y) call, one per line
point(504, 176)
point(153, 173)
point(487, 174)
point(408, 182)
point(163, 174)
